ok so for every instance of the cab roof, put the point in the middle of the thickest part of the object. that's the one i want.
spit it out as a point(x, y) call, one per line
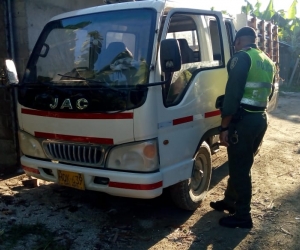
point(158, 5)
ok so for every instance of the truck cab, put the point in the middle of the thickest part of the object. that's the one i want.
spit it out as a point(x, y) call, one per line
point(121, 99)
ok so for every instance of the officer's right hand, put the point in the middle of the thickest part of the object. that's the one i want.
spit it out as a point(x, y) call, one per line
point(224, 138)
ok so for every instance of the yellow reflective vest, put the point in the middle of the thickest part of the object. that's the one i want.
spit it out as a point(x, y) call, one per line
point(260, 78)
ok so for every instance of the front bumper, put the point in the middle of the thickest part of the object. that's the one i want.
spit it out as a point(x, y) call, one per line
point(134, 185)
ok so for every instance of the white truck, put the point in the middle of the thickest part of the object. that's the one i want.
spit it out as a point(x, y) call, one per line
point(123, 99)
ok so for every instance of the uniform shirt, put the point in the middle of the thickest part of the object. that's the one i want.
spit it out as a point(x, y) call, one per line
point(237, 67)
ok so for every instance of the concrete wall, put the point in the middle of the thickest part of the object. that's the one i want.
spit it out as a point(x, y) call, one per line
point(28, 19)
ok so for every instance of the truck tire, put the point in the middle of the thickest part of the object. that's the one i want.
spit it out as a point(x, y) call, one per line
point(188, 194)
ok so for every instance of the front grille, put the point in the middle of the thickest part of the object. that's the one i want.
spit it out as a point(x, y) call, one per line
point(82, 154)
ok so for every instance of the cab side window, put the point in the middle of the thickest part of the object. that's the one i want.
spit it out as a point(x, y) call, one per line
point(186, 36)
point(199, 42)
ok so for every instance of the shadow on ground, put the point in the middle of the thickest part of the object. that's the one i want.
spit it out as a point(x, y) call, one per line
point(124, 223)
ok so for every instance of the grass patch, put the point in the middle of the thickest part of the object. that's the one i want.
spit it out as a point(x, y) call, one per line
point(37, 235)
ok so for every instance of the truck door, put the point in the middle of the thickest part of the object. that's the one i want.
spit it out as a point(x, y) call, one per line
point(188, 109)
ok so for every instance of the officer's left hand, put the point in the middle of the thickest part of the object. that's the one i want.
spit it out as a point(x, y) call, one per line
point(224, 138)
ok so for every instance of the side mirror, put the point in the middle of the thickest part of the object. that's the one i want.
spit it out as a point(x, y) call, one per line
point(170, 57)
point(11, 72)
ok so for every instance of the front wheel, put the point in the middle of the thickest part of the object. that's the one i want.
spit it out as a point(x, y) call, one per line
point(188, 194)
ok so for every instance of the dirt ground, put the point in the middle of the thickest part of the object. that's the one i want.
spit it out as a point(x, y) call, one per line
point(54, 217)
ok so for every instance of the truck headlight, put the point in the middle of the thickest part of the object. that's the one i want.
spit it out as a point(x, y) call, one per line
point(141, 157)
point(30, 145)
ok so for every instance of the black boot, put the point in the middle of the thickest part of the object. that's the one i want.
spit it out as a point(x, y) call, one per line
point(221, 206)
point(234, 221)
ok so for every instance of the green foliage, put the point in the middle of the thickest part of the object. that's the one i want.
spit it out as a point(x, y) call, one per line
point(292, 11)
point(295, 25)
point(269, 12)
point(225, 12)
point(256, 12)
point(248, 8)
point(287, 21)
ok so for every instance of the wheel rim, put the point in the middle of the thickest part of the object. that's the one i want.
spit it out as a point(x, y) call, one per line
point(199, 172)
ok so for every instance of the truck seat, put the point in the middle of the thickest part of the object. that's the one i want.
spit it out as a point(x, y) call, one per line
point(110, 53)
point(187, 54)
point(113, 49)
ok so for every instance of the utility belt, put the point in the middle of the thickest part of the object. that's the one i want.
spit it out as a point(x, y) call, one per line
point(245, 109)
point(251, 108)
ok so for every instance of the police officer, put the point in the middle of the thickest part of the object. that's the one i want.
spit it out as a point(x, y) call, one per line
point(244, 122)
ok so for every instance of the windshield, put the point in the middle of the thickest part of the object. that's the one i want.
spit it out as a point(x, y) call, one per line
point(112, 48)
point(91, 63)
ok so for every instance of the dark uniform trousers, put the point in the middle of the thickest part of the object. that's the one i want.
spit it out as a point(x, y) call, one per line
point(250, 131)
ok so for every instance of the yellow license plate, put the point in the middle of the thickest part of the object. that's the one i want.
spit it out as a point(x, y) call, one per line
point(70, 179)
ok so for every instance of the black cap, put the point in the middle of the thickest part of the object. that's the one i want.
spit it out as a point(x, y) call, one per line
point(245, 31)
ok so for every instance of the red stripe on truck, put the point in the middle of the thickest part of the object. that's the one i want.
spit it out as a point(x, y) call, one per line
point(212, 113)
point(183, 120)
point(136, 186)
point(76, 115)
point(74, 138)
point(31, 170)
